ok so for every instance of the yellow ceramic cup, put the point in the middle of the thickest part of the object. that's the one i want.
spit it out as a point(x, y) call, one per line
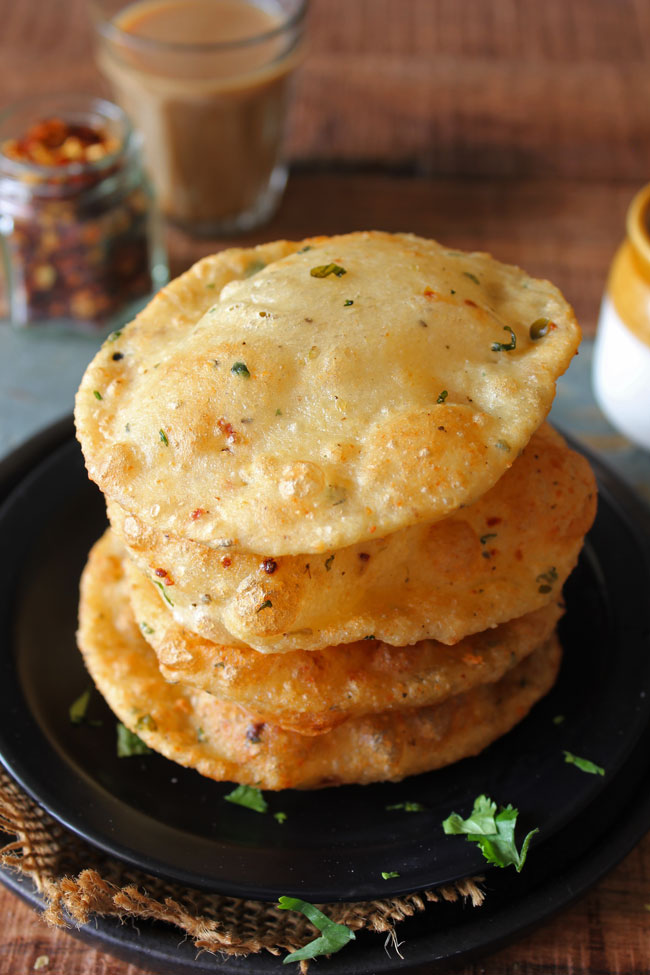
point(621, 370)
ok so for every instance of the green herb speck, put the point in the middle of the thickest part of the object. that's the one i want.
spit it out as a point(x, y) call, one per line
point(347, 303)
point(506, 346)
point(97, 394)
point(389, 874)
point(163, 437)
point(249, 797)
point(407, 806)
point(129, 744)
point(267, 604)
point(280, 817)
point(146, 629)
point(584, 764)
point(240, 369)
point(472, 277)
point(443, 396)
point(78, 708)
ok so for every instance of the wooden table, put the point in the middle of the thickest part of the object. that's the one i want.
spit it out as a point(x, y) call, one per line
point(514, 126)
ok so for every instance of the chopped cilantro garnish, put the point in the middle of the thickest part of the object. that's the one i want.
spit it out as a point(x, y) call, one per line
point(506, 346)
point(347, 303)
point(583, 764)
point(408, 806)
point(200, 734)
point(328, 563)
point(146, 629)
point(128, 743)
point(240, 369)
point(323, 270)
point(389, 874)
point(472, 277)
point(492, 831)
point(248, 796)
point(114, 335)
point(443, 396)
point(78, 708)
point(267, 604)
point(163, 591)
point(280, 817)
point(333, 936)
point(539, 329)
point(278, 412)
point(371, 636)
point(97, 394)
point(163, 437)
point(303, 250)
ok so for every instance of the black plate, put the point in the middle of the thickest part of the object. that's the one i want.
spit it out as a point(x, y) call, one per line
point(335, 843)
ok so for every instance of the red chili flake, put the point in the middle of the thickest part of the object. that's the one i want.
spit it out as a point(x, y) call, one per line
point(364, 556)
point(197, 513)
point(227, 429)
point(226, 562)
point(161, 572)
point(493, 521)
point(472, 304)
point(269, 565)
point(430, 293)
point(254, 731)
point(164, 574)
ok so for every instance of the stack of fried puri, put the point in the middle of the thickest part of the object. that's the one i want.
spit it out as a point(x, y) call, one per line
point(339, 524)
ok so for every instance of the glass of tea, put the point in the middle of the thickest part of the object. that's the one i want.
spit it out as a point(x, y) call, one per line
point(207, 83)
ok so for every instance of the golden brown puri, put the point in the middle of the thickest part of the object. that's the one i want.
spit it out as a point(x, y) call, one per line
point(313, 692)
point(223, 741)
point(303, 397)
point(506, 555)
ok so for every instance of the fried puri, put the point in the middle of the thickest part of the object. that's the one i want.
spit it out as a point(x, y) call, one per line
point(224, 742)
point(313, 692)
point(304, 397)
point(506, 555)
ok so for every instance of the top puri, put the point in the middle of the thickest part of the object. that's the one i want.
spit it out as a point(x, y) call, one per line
point(302, 397)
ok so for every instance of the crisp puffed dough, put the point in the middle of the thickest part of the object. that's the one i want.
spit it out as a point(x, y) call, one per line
point(312, 692)
point(291, 413)
point(234, 747)
point(507, 554)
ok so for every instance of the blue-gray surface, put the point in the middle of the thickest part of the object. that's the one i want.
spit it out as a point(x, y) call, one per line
point(39, 374)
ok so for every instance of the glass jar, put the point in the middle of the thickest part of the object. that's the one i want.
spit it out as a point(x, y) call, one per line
point(621, 370)
point(79, 237)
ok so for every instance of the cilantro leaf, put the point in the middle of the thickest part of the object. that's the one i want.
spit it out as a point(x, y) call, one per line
point(481, 820)
point(407, 806)
point(583, 764)
point(78, 708)
point(248, 796)
point(389, 874)
point(493, 832)
point(128, 743)
point(333, 936)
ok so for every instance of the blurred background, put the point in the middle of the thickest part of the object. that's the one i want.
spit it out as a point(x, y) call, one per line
point(510, 125)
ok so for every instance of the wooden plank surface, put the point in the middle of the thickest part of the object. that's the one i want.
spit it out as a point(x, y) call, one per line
point(454, 87)
point(516, 126)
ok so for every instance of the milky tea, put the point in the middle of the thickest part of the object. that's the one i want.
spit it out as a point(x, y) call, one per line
point(206, 82)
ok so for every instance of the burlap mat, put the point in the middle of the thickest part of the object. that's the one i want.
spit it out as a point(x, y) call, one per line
point(77, 882)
